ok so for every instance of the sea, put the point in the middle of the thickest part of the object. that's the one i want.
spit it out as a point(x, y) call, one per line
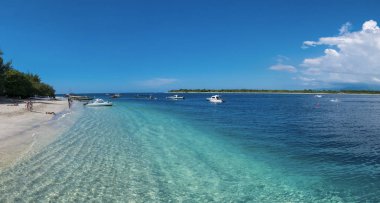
point(251, 148)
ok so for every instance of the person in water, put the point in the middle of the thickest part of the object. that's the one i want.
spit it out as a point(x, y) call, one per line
point(69, 101)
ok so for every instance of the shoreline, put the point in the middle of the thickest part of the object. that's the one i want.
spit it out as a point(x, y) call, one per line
point(25, 131)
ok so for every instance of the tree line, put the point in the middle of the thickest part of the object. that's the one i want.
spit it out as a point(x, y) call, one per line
point(14, 83)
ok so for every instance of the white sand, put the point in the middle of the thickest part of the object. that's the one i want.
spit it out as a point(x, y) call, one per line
point(17, 126)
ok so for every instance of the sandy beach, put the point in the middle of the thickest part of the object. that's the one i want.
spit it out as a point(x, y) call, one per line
point(19, 126)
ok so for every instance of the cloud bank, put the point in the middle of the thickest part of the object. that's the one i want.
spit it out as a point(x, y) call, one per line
point(350, 57)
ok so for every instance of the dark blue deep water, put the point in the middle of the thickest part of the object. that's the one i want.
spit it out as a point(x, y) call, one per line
point(253, 147)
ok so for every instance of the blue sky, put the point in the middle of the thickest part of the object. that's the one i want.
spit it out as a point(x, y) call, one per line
point(131, 46)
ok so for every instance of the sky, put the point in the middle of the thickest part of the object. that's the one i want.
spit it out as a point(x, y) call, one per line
point(89, 46)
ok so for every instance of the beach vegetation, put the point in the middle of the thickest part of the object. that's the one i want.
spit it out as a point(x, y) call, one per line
point(4, 67)
point(14, 83)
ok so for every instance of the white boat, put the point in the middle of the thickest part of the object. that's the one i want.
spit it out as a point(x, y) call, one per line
point(215, 99)
point(334, 100)
point(99, 102)
point(318, 96)
point(175, 97)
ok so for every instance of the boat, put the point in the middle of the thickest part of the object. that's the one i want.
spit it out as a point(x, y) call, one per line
point(334, 100)
point(175, 97)
point(318, 96)
point(152, 97)
point(215, 99)
point(146, 96)
point(115, 96)
point(80, 98)
point(99, 102)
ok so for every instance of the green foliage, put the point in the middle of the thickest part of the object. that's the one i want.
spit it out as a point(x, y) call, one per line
point(4, 67)
point(14, 83)
point(45, 90)
point(17, 85)
point(33, 77)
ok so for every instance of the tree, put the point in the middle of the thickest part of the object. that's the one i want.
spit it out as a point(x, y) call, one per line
point(46, 90)
point(33, 77)
point(14, 83)
point(17, 84)
point(4, 67)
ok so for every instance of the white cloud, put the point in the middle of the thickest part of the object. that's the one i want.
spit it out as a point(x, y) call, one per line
point(309, 43)
point(370, 26)
point(305, 79)
point(375, 79)
point(157, 82)
point(282, 59)
point(282, 67)
point(351, 57)
point(345, 28)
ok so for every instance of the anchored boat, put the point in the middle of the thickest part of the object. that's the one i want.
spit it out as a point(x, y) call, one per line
point(99, 102)
point(115, 96)
point(175, 97)
point(215, 99)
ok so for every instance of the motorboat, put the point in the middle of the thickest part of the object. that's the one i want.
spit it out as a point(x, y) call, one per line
point(99, 102)
point(146, 96)
point(151, 97)
point(175, 97)
point(215, 99)
point(115, 96)
point(334, 100)
point(318, 96)
point(80, 98)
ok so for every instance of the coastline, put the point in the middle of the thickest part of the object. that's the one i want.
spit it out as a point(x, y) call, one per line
point(25, 131)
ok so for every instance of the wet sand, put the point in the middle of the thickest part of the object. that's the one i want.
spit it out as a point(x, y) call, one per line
point(18, 126)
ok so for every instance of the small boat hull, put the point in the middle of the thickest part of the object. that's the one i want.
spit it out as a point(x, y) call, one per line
point(175, 97)
point(215, 101)
point(96, 105)
point(99, 102)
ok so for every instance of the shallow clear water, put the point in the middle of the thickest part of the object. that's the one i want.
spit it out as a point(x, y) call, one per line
point(254, 147)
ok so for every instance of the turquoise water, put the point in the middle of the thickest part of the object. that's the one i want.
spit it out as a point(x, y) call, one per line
point(260, 148)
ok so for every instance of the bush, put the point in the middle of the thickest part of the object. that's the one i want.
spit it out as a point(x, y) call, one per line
point(14, 83)
point(46, 90)
point(17, 84)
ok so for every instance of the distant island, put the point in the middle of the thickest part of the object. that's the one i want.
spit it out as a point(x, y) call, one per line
point(305, 91)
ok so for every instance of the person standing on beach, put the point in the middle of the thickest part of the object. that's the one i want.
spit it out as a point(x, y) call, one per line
point(69, 101)
point(30, 105)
